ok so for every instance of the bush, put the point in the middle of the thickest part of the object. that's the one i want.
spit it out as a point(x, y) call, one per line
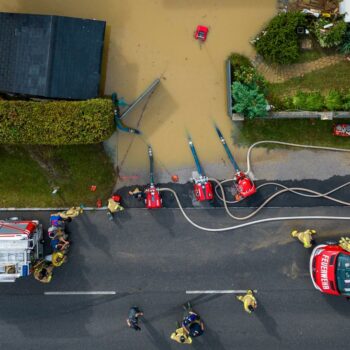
point(299, 100)
point(248, 101)
point(314, 102)
point(249, 76)
point(332, 36)
point(56, 123)
point(238, 60)
point(346, 101)
point(333, 100)
point(279, 43)
point(345, 46)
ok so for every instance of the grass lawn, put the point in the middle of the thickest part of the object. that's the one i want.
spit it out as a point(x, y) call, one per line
point(28, 175)
point(336, 76)
point(304, 131)
point(313, 55)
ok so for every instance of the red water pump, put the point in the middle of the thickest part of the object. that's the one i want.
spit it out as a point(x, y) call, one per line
point(244, 186)
point(153, 199)
point(203, 189)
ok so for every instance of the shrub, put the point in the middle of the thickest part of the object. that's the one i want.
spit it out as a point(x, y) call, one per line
point(299, 100)
point(238, 60)
point(56, 123)
point(314, 102)
point(333, 100)
point(345, 46)
point(248, 101)
point(279, 43)
point(346, 101)
point(332, 36)
point(249, 76)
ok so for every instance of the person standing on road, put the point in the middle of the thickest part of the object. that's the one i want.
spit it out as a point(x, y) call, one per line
point(56, 258)
point(43, 272)
point(180, 335)
point(249, 301)
point(192, 323)
point(133, 318)
point(71, 213)
point(304, 237)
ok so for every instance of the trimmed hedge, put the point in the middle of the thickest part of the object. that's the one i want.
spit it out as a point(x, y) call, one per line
point(56, 122)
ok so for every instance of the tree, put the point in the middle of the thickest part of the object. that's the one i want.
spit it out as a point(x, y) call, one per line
point(248, 101)
point(279, 42)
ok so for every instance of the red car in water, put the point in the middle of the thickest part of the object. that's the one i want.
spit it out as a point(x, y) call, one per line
point(330, 269)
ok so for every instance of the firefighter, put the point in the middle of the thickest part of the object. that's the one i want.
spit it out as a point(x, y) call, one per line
point(56, 233)
point(56, 258)
point(181, 336)
point(71, 213)
point(192, 323)
point(114, 206)
point(344, 242)
point(137, 194)
point(249, 301)
point(304, 237)
point(43, 272)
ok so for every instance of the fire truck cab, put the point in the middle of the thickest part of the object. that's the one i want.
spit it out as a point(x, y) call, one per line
point(330, 269)
point(20, 246)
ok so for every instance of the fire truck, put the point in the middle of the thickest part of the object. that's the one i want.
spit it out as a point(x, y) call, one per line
point(21, 244)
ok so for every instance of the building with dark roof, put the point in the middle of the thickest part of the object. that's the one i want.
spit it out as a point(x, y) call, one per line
point(50, 56)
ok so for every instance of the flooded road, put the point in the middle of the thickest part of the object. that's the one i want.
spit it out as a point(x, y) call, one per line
point(147, 39)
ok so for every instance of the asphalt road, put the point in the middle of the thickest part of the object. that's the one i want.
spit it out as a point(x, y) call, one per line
point(151, 258)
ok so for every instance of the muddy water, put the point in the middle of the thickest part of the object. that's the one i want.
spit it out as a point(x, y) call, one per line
point(147, 39)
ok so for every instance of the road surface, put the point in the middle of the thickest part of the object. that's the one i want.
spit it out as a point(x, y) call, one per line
point(151, 259)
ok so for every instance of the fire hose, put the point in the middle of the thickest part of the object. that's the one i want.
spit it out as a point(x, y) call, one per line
point(296, 190)
point(235, 227)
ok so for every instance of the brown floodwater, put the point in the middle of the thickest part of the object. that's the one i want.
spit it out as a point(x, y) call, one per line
point(147, 39)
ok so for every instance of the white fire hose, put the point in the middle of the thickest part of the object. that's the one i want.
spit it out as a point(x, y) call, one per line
point(296, 190)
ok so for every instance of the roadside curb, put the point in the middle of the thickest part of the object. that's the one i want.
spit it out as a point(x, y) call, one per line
point(49, 209)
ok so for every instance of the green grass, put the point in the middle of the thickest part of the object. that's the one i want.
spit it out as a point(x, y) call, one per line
point(311, 55)
point(25, 183)
point(304, 131)
point(336, 76)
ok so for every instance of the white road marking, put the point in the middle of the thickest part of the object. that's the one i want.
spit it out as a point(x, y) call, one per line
point(81, 293)
point(232, 291)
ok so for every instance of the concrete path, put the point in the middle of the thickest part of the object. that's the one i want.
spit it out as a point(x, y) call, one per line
point(279, 74)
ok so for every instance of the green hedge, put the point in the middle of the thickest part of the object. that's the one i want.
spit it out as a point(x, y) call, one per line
point(56, 122)
point(333, 100)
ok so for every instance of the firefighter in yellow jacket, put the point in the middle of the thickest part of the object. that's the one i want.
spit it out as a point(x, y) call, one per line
point(344, 242)
point(304, 237)
point(43, 272)
point(181, 336)
point(249, 301)
point(71, 213)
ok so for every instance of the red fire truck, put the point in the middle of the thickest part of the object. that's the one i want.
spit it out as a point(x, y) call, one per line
point(20, 246)
point(330, 269)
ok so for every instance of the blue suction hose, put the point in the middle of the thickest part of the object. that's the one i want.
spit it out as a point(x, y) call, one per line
point(151, 165)
point(228, 152)
point(195, 156)
point(120, 125)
